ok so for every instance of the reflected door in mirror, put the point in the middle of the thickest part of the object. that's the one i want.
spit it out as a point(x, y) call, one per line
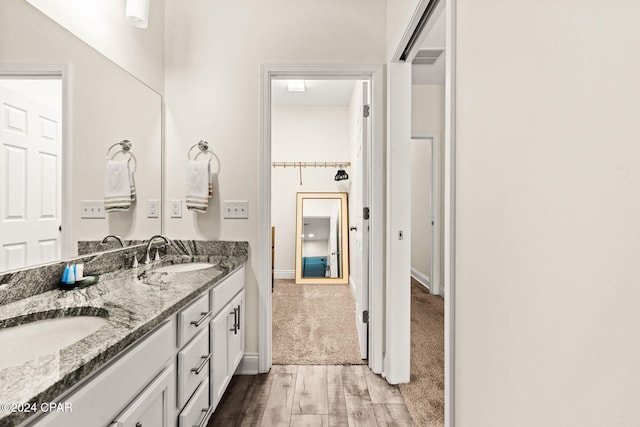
point(30, 185)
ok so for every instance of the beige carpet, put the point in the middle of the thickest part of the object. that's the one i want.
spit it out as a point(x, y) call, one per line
point(424, 395)
point(314, 325)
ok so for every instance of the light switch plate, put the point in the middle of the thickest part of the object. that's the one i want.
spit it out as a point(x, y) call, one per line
point(236, 209)
point(153, 208)
point(92, 209)
point(175, 208)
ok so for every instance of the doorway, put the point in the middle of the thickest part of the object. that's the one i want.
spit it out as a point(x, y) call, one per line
point(370, 329)
point(318, 149)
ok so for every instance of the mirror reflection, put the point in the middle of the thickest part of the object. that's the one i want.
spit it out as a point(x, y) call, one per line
point(53, 143)
point(322, 239)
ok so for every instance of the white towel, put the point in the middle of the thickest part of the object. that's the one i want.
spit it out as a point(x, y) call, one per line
point(117, 186)
point(199, 185)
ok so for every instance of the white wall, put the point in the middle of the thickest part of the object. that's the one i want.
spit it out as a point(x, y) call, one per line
point(427, 118)
point(548, 208)
point(101, 24)
point(106, 105)
point(311, 248)
point(306, 134)
point(399, 14)
point(213, 57)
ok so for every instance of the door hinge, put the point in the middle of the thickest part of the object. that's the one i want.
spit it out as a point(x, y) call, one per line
point(365, 213)
point(365, 316)
point(366, 110)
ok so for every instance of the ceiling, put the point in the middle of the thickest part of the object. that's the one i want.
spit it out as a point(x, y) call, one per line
point(318, 226)
point(435, 38)
point(318, 93)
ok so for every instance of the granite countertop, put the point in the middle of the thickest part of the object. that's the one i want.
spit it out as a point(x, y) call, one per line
point(134, 301)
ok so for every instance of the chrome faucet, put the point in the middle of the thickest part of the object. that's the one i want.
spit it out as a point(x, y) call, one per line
point(147, 258)
point(113, 237)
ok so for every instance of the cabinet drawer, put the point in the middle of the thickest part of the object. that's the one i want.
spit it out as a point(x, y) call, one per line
point(193, 366)
point(193, 319)
point(197, 410)
point(223, 292)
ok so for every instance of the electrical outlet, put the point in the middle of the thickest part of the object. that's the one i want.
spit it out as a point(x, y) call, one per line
point(92, 209)
point(175, 208)
point(236, 209)
point(153, 208)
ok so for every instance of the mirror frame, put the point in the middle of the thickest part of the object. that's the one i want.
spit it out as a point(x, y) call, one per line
point(344, 228)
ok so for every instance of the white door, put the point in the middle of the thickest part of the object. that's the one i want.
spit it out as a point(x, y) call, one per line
point(363, 159)
point(30, 181)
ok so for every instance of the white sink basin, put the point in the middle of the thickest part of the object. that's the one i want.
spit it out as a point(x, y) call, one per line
point(180, 268)
point(22, 343)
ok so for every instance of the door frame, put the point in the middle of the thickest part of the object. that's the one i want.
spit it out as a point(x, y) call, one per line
point(374, 73)
point(62, 72)
point(435, 279)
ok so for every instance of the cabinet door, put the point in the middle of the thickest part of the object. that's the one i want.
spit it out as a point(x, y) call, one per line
point(220, 375)
point(152, 407)
point(236, 334)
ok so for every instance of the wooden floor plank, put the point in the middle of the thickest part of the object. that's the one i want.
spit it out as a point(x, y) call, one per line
point(392, 415)
point(309, 420)
point(310, 397)
point(230, 407)
point(278, 409)
point(255, 401)
point(359, 407)
point(380, 390)
point(284, 369)
point(336, 400)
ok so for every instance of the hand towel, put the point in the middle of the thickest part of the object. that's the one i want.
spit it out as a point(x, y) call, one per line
point(133, 184)
point(117, 186)
point(199, 186)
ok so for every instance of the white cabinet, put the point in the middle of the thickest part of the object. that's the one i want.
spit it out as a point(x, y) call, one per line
point(227, 343)
point(235, 351)
point(138, 388)
point(152, 407)
point(219, 328)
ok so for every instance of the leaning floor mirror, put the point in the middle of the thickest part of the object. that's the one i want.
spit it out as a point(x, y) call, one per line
point(322, 241)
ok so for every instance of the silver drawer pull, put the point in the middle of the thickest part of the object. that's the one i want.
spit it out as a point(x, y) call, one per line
point(204, 317)
point(205, 411)
point(202, 365)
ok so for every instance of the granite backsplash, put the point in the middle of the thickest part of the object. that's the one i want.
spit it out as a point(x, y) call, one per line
point(18, 284)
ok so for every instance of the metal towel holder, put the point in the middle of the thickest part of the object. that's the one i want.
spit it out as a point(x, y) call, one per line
point(125, 148)
point(203, 146)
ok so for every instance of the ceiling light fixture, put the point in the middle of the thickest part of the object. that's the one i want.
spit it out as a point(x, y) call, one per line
point(296, 86)
point(137, 13)
point(311, 235)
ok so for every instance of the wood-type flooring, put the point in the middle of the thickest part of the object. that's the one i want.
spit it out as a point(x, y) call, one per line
point(312, 395)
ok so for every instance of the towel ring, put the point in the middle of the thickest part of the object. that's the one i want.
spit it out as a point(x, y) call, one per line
point(125, 148)
point(203, 146)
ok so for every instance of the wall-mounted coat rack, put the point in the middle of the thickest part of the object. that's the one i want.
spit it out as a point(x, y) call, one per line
point(339, 165)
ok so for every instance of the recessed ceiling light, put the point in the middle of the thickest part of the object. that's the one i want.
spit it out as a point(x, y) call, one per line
point(296, 86)
point(311, 235)
point(303, 236)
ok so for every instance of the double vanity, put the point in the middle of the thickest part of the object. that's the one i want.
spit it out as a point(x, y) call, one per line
point(150, 346)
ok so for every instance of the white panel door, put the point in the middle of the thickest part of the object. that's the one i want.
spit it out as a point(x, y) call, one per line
point(362, 233)
point(30, 181)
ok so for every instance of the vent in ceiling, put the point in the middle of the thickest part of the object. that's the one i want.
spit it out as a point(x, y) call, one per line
point(427, 56)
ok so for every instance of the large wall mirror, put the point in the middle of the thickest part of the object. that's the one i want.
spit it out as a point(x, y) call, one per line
point(62, 105)
point(322, 240)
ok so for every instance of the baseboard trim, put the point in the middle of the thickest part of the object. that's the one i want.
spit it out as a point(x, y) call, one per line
point(421, 278)
point(285, 274)
point(248, 365)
